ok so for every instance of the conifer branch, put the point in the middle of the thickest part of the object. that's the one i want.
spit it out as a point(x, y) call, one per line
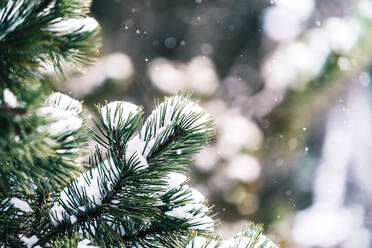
point(126, 180)
point(135, 193)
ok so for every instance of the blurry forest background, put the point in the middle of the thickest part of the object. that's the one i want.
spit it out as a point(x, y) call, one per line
point(288, 84)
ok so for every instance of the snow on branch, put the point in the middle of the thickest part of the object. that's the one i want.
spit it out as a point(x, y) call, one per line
point(64, 114)
point(250, 237)
point(74, 25)
point(138, 169)
point(87, 192)
point(115, 113)
point(174, 119)
point(35, 34)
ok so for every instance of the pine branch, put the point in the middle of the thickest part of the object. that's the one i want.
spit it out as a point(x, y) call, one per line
point(38, 147)
point(133, 203)
point(250, 237)
point(133, 195)
point(41, 147)
point(34, 33)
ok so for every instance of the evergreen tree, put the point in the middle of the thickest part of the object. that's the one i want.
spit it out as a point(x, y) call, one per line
point(132, 192)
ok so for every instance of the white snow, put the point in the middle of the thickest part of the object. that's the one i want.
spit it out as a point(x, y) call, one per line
point(188, 211)
point(93, 226)
point(171, 108)
point(136, 144)
point(85, 243)
point(204, 222)
point(71, 25)
point(90, 184)
point(21, 205)
point(202, 242)
point(29, 242)
point(245, 241)
point(160, 129)
point(73, 219)
point(197, 196)
point(175, 180)
point(10, 99)
point(118, 111)
point(64, 102)
point(64, 113)
point(71, 150)
point(47, 10)
point(63, 123)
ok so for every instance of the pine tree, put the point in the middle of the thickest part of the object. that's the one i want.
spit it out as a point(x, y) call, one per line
point(132, 192)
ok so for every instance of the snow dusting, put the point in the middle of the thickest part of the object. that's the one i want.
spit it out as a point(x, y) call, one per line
point(85, 243)
point(194, 211)
point(64, 113)
point(29, 242)
point(21, 205)
point(263, 241)
point(175, 180)
point(118, 112)
point(93, 186)
point(68, 26)
point(160, 124)
point(10, 99)
point(202, 242)
point(64, 102)
point(236, 241)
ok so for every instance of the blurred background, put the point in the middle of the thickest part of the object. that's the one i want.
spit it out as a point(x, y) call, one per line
point(288, 85)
